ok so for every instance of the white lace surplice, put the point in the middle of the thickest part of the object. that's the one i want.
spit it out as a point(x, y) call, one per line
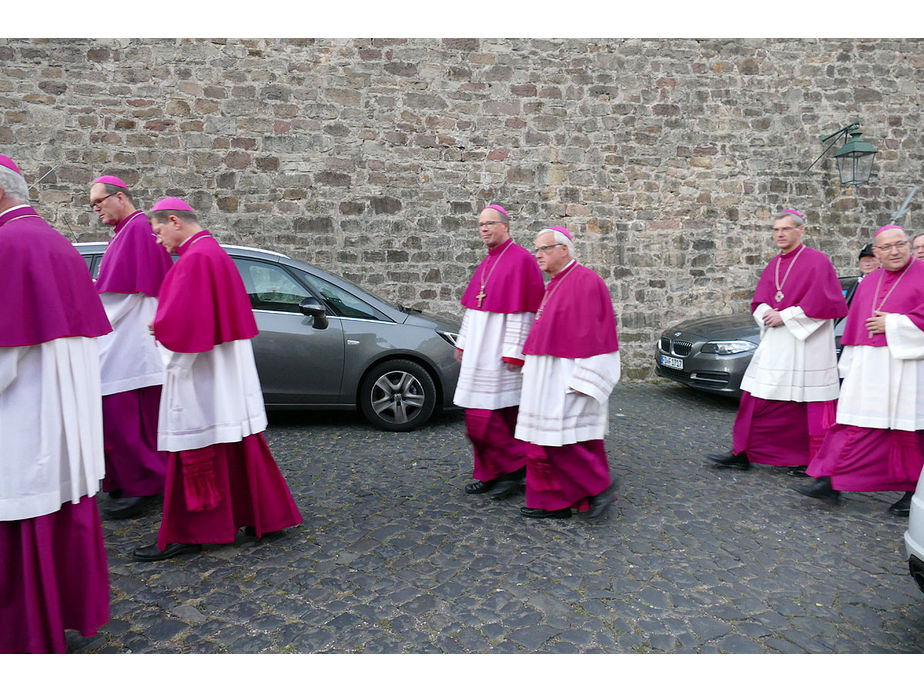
point(884, 386)
point(795, 362)
point(129, 356)
point(211, 397)
point(51, 426)
point(484, 381)
point(566, 401)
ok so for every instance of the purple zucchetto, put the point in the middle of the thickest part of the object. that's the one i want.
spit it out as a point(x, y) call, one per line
point(497, 208)
point(111, 180)
point(562, 230)
point(886, 228)
point(173, 204)
point(7, 162)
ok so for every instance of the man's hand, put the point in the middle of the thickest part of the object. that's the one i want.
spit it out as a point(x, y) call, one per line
point(512, 366)
point(772, 318)
point(151, 327)
point(876, 325)
point(459, 355)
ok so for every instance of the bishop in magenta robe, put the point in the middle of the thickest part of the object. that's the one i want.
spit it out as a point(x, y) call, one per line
point(220, 473)
point(500, 301)
point(54, 574)
point(130, 275)
point(790, 387)
point(877, 442)
point(571, 366)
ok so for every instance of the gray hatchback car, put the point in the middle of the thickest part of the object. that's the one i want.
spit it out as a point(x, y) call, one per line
point(324, 343)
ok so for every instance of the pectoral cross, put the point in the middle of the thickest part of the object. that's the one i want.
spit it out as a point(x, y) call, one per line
point(480, 295)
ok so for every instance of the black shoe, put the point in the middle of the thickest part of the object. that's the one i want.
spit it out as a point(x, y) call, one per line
point(480, 486)
point(540, 513)
point(739, 461)
point(600, 502)
point(252, 532)
point(821, 489)
point(151, 553)
point(797, 471)
point(902, 507)
point(124, 507)
point(508, 485)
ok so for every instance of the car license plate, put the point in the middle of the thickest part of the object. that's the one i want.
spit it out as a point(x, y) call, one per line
point(671, 362)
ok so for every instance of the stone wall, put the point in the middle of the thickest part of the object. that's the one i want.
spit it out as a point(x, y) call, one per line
point(371, 158)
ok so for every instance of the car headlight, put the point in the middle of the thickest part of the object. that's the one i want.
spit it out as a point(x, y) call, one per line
point(450, 337)
point(734, 346)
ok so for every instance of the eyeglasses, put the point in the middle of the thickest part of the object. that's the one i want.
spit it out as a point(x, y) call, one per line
point(898, 245)
point(546, 248)
point(99, 202)
point(485, 224)
point(786, 229)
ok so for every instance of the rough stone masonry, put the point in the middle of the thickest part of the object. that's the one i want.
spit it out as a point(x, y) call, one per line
point(666, 158)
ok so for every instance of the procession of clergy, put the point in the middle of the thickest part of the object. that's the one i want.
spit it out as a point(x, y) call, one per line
point(145, 382)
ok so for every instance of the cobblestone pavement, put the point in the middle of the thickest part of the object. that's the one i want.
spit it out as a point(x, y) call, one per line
point(394, 557)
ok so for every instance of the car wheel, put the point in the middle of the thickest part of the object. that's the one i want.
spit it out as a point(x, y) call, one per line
point(397, 395)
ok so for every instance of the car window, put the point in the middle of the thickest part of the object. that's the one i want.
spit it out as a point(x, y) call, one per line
point(270, 287)
point(342, 302)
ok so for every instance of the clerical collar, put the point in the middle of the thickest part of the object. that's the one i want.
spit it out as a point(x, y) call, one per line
point(499, 248)
point(559, 272)
point(188, 243)
point(122, 224)
point(10, 214)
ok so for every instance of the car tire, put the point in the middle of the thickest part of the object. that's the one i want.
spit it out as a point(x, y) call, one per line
point(397, 395)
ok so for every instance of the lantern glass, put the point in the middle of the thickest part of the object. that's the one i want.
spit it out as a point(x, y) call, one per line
point(855, 168)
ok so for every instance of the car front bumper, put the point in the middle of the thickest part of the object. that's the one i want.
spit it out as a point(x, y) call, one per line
point(716, 373)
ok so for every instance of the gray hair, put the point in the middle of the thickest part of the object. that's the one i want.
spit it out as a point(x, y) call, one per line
point(560, 238)
point(14, 186)
point(794, 216)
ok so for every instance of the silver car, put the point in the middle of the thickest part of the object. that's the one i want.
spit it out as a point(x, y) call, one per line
point(914, 537)
point(324, 343)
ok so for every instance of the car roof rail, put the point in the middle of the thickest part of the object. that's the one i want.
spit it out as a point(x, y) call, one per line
point(256, 250)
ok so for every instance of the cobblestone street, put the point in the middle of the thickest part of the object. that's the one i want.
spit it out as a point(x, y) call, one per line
point(393, 556)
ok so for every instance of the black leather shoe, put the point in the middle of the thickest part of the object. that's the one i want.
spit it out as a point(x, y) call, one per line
point(821, 489)
point(797, 471)
point(902, 507)
point(480, 486)
point(125, 507)
point(507, 486)
point(600, 502)
point(739, 461)
point(540, 513)
point(252, 532)
point(151, 553)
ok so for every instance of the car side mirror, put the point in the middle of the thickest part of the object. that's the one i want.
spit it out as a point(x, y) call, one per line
point(312, 307)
